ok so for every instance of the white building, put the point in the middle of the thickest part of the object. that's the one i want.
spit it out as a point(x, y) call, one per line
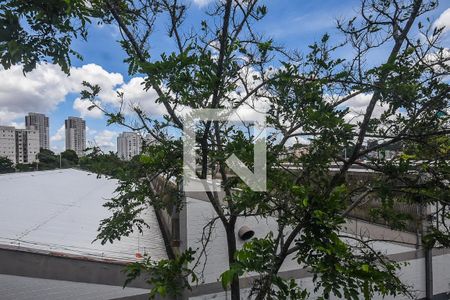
point(129, 144)
point(8, 142)
point(21, 146)
point(27, 145)
point(39, 122)
point(75, 135)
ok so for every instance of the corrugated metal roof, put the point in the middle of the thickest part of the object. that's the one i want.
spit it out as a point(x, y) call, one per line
point(61, 210)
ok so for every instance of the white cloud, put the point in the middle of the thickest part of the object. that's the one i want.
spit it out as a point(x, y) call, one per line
point(202, 3)
point(105, 139)
point(59, 135)
point(90, 131)
point(135, 95)
point(357, 108)
point(439, 59)
point(95, 74)
point(17, 124)
point(6, 116)
point(443, 20)
point(57, 148)
point(82, 106)
point(45, 87)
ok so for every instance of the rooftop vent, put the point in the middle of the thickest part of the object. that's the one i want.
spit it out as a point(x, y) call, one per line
point(245, 233)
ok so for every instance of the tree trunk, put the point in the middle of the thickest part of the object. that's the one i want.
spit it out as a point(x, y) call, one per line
point(231, 240)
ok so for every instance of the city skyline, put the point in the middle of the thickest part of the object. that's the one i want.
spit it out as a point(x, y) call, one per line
point(29, 123)
point(34, 121)
point(39, 122)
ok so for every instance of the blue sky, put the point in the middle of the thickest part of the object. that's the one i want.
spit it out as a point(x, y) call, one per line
point(294, 24)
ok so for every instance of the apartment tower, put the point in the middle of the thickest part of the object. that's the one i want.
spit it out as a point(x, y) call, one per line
point(76, 135)
point(129, 144)
point(39, 122)
point(27, 145)
point(8, 142)
point(21, 146)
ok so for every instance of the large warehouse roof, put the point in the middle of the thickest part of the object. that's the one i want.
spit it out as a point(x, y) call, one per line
point(59, 211)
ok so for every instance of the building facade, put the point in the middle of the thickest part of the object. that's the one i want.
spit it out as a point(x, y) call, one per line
point(41, 123)
point(129, 144)
point(8, 142)
point(75, 135)
point(21, 146)
point(27, 145)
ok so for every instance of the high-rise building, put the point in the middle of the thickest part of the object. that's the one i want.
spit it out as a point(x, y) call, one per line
point(27, 145)
point(76, 135)
point(129, 144)
point(39, 122)
point(8, 142)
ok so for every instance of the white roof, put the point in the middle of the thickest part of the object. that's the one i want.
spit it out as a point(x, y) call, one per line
point(60, 211)
point(27, 288)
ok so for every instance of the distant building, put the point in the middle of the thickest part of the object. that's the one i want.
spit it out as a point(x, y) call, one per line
point(294, 152)
point(8, 142)
point(387, 152)
point(27, 145)
point(21, 146)
point(75, 135)
point(298, 150)
point(39, 122)
point(129, 144)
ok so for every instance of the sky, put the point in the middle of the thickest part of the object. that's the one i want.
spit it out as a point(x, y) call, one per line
point(293, 24)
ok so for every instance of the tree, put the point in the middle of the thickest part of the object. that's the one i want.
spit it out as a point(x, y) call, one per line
point(69, 158)
point(97, 161)
point(35, 31)
point(224, 63)
point(26, 167)
point(47, 160)
point(6, 165)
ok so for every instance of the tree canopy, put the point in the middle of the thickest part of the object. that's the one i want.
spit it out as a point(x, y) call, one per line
point(6, 165)
point(35, 31)
point(69, 158)
point(47, 160)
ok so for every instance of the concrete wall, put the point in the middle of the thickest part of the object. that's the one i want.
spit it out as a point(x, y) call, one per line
point(412, 274)
point(41, 264)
